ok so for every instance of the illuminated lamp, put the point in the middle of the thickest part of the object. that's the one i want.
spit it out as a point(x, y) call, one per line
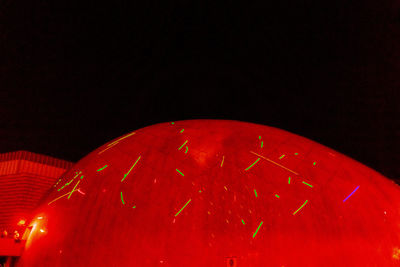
point(16, 235)
point(4, 234)
point(217, 193)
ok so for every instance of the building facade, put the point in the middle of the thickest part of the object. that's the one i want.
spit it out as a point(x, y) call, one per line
point(25, 177)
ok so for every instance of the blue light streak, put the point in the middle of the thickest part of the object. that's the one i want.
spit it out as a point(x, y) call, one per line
point(351, 194)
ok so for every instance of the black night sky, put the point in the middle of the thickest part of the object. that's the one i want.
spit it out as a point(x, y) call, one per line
point(76, 74)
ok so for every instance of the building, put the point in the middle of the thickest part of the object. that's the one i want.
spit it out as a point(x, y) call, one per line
point(25, 177)
point(216, 193)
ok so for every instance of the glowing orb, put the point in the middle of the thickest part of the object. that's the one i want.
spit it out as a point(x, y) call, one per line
point(216, 193)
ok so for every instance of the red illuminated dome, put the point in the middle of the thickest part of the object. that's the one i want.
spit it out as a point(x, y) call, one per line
point(216, 193)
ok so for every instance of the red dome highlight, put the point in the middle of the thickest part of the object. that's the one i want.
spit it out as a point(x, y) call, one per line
point(216, 193)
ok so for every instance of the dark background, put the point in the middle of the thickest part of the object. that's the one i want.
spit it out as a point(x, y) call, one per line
point(75, 74)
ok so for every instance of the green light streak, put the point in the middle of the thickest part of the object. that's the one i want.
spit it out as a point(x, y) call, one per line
point(183, 145)
point(307, 184)
point(255, 193)
point(282, 156)
point(122, 199)
point(99, 170)
point(262, 143)
point(243, 222)
point(180, 172)
point(82, 177)
point(252, 164)
point(289, 180)
point(134, 207)
point(172, 123)
point(314, 163)
point(277, 196)
point(73, 189)
point(186, 149)
point(182, 130)
point(70, 181)
point(183, 207)
point(257, 229)
point(222, 162)
point(126, 174)
point(300, 207)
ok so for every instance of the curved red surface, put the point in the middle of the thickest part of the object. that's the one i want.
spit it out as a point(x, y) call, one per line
point(217, 193)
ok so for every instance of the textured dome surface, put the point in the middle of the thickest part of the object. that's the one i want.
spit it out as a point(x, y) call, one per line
point(216, 193)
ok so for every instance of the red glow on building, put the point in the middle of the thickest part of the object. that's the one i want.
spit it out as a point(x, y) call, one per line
point(217, 193)
point(25, 177)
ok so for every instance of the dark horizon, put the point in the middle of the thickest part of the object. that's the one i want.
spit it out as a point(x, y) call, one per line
point(74, 76)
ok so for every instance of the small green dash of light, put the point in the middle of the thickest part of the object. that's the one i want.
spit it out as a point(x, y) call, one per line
point(262, 144)
point(252, 164)
point(307, 184)
point(172, 123)
point(199, 191)
point(134, 207)
point(296, 154)
point(259, 137)
point(294, 213)
point(314, 163)
point(183, 207)
point(288, 181)
point(257, 229)
point(182, 130)
point(182, 145)
point(282, 156)
point(255, 193)
point(73, 189)
point(122, 199)
point(126, 174)
point(71, 180)
point(99, 170)
point(276, 195)
point(186, 149)
point(243, 221)
point(180, 172)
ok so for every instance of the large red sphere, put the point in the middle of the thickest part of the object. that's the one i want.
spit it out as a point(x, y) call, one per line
point(216, 193)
